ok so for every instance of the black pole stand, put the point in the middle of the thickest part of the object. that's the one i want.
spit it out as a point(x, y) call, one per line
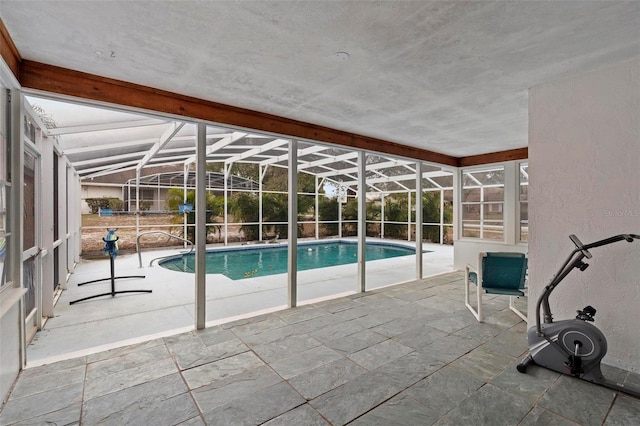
point(112, 278)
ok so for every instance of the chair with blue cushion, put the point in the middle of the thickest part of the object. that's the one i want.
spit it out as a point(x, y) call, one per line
point(498, 273)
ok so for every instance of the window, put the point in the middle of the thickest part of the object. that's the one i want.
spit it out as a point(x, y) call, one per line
point(147, 194)
point(483, 203)
point(524, 202)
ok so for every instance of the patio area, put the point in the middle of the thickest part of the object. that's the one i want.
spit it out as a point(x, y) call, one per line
point(104, 323)
point(407, 354)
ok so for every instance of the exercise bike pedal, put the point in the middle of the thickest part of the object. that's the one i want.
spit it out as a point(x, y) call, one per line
point(574, 365)
point(587, 314)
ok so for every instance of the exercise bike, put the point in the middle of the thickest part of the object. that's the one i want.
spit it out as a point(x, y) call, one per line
point(572, 346)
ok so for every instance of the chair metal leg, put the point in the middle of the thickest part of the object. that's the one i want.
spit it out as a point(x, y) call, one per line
point(477, 314)
point(517, 312)
point(479, 292)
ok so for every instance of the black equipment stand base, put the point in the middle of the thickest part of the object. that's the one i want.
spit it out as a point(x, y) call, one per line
point(113, 279)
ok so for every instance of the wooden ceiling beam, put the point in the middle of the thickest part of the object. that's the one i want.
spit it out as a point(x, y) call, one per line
point(8, 51)
point(494, 157)
point(52, 79)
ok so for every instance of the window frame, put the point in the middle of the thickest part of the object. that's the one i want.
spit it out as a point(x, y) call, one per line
point(521, 202)
point(482, 203)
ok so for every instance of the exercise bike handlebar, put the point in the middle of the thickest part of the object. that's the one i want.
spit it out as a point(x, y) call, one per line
point(572, 262)
point(580, 246)
point(615, 238)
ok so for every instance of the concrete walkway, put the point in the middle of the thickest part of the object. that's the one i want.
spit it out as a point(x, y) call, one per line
point(405, 355)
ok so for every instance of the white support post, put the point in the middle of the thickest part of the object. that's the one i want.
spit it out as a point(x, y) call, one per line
point(482, 212)
point(382, 216)
point(226, 203)
point(78, 227)
point(185, 182)
point(362, 222)
point(69, 208)
point(339, 216)
point(128, 197)
point(260, 178)
point(47, 190)
point(292, 257)
point(457, 204)
point(17, 216)
point(137, 202)
point(201, 227)
point(71, 230)
point(409, 216)
point(441, 216)
point(63, 271)
point(316, 209)
point(78, 216)
point(418, 220)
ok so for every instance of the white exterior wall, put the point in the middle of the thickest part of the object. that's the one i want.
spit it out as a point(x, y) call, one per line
point(584, 164)
point(10, 359)
point(89, 191)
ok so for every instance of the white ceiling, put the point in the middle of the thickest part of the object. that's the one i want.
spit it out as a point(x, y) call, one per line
point(447, 76)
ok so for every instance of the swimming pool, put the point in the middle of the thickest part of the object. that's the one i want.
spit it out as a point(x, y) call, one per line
point(256, 261)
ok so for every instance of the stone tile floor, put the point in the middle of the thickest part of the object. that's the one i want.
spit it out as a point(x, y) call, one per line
point(405, 355)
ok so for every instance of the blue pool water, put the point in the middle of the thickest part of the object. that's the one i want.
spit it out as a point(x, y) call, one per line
point(269, 260)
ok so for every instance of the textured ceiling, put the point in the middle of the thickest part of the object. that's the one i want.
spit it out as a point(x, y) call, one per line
point(447, 76)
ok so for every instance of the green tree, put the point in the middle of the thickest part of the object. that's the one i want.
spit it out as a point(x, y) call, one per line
point(328, 212)
point(214, 210)
point(350, 213)
point(396, 209)
point(244, 207)
point(374, 210)
point(245, 170)
point(307, 183)
point(431, 214)
point(104, 203)
point(116, 204)
point(275, 208)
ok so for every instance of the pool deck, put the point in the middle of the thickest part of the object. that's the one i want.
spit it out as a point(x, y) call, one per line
point(106, 322)
point(409, 354)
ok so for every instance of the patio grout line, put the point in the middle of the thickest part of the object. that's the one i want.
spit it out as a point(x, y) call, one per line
point(106, 347)
point(184, 380)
